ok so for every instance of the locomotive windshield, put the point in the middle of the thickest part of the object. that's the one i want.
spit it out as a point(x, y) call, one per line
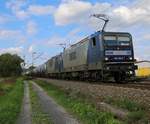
point(117, 41)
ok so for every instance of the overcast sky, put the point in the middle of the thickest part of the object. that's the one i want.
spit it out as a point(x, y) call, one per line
point(28, 26)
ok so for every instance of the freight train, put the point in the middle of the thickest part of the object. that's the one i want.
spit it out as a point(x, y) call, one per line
point(100, 56)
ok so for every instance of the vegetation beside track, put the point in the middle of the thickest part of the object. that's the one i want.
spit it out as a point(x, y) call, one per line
point(10, 101)
point(137, 112)
point(125, 104)
point(86, 112)
point(38, 116)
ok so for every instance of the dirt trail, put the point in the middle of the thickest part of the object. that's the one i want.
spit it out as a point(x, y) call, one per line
point(25, 115)
point(58, 114)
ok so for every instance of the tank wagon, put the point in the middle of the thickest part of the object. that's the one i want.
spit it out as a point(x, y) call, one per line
point(99, 56)
point(40, 70)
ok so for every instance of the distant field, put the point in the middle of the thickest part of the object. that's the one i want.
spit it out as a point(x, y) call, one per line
point(143, 72)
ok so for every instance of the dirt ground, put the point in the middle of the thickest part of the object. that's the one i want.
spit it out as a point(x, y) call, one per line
point(25, 115)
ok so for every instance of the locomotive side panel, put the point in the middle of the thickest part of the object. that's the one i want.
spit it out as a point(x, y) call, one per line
point(95, 53)
point(75, 58)
point(50, 65)
point(58, 64)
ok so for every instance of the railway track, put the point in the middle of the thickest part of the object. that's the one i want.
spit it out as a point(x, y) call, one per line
point(138, 83)
point(142, 85)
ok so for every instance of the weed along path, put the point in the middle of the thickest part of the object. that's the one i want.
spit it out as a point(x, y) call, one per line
point(25, 115)
point(57, 113)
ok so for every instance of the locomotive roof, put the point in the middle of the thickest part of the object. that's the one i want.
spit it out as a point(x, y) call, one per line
point(83, 40)
point(86, 38)
point(95, 34)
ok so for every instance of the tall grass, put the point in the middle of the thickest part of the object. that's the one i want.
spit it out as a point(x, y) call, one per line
point(125, 103)
point(6, 88)
point(10, 104)
point(137, 112)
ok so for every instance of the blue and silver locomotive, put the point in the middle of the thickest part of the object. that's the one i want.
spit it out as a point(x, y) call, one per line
point(100, 56)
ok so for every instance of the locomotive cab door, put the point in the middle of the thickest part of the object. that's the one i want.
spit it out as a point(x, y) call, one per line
point(94, 53)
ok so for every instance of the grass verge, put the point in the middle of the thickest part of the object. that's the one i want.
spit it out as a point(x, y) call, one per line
point(125, 104)
point(5, 88)
point(86, 112)
point(10, 103)
point(6, 85)
point(38, 116)
point(137, 112)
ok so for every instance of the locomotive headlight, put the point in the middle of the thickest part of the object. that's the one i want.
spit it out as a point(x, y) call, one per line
point(106, 58)
point(130, 58)
point(107, 68)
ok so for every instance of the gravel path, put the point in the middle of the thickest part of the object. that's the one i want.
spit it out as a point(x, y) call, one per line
point(25, 115)
point(58, 114)
point(99, 92)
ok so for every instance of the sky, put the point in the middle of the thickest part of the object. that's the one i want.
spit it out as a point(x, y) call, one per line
point(40, 26)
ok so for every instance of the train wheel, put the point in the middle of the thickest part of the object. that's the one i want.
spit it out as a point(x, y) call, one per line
point(117, 77)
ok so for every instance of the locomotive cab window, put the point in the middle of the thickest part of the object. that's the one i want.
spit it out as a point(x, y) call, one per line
point(110, 40)
point(93, 42)
point(124, 41)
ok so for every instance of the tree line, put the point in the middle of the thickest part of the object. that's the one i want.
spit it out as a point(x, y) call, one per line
point(10, 65)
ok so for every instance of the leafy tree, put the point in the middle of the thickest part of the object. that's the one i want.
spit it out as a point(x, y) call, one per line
point(10, 65)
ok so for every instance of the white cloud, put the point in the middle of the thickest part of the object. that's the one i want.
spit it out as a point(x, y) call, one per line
point(12, 50)
point(15, 4)
point(21, 14)
point(16, 7)
point(147, 37)
point(133, 15)
point(31, 48)
point(71, 11)
point(4, 33)
point(10, 35)
point(40, 10)
point(78, 12)
point(20, 9)
point(31, 28)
